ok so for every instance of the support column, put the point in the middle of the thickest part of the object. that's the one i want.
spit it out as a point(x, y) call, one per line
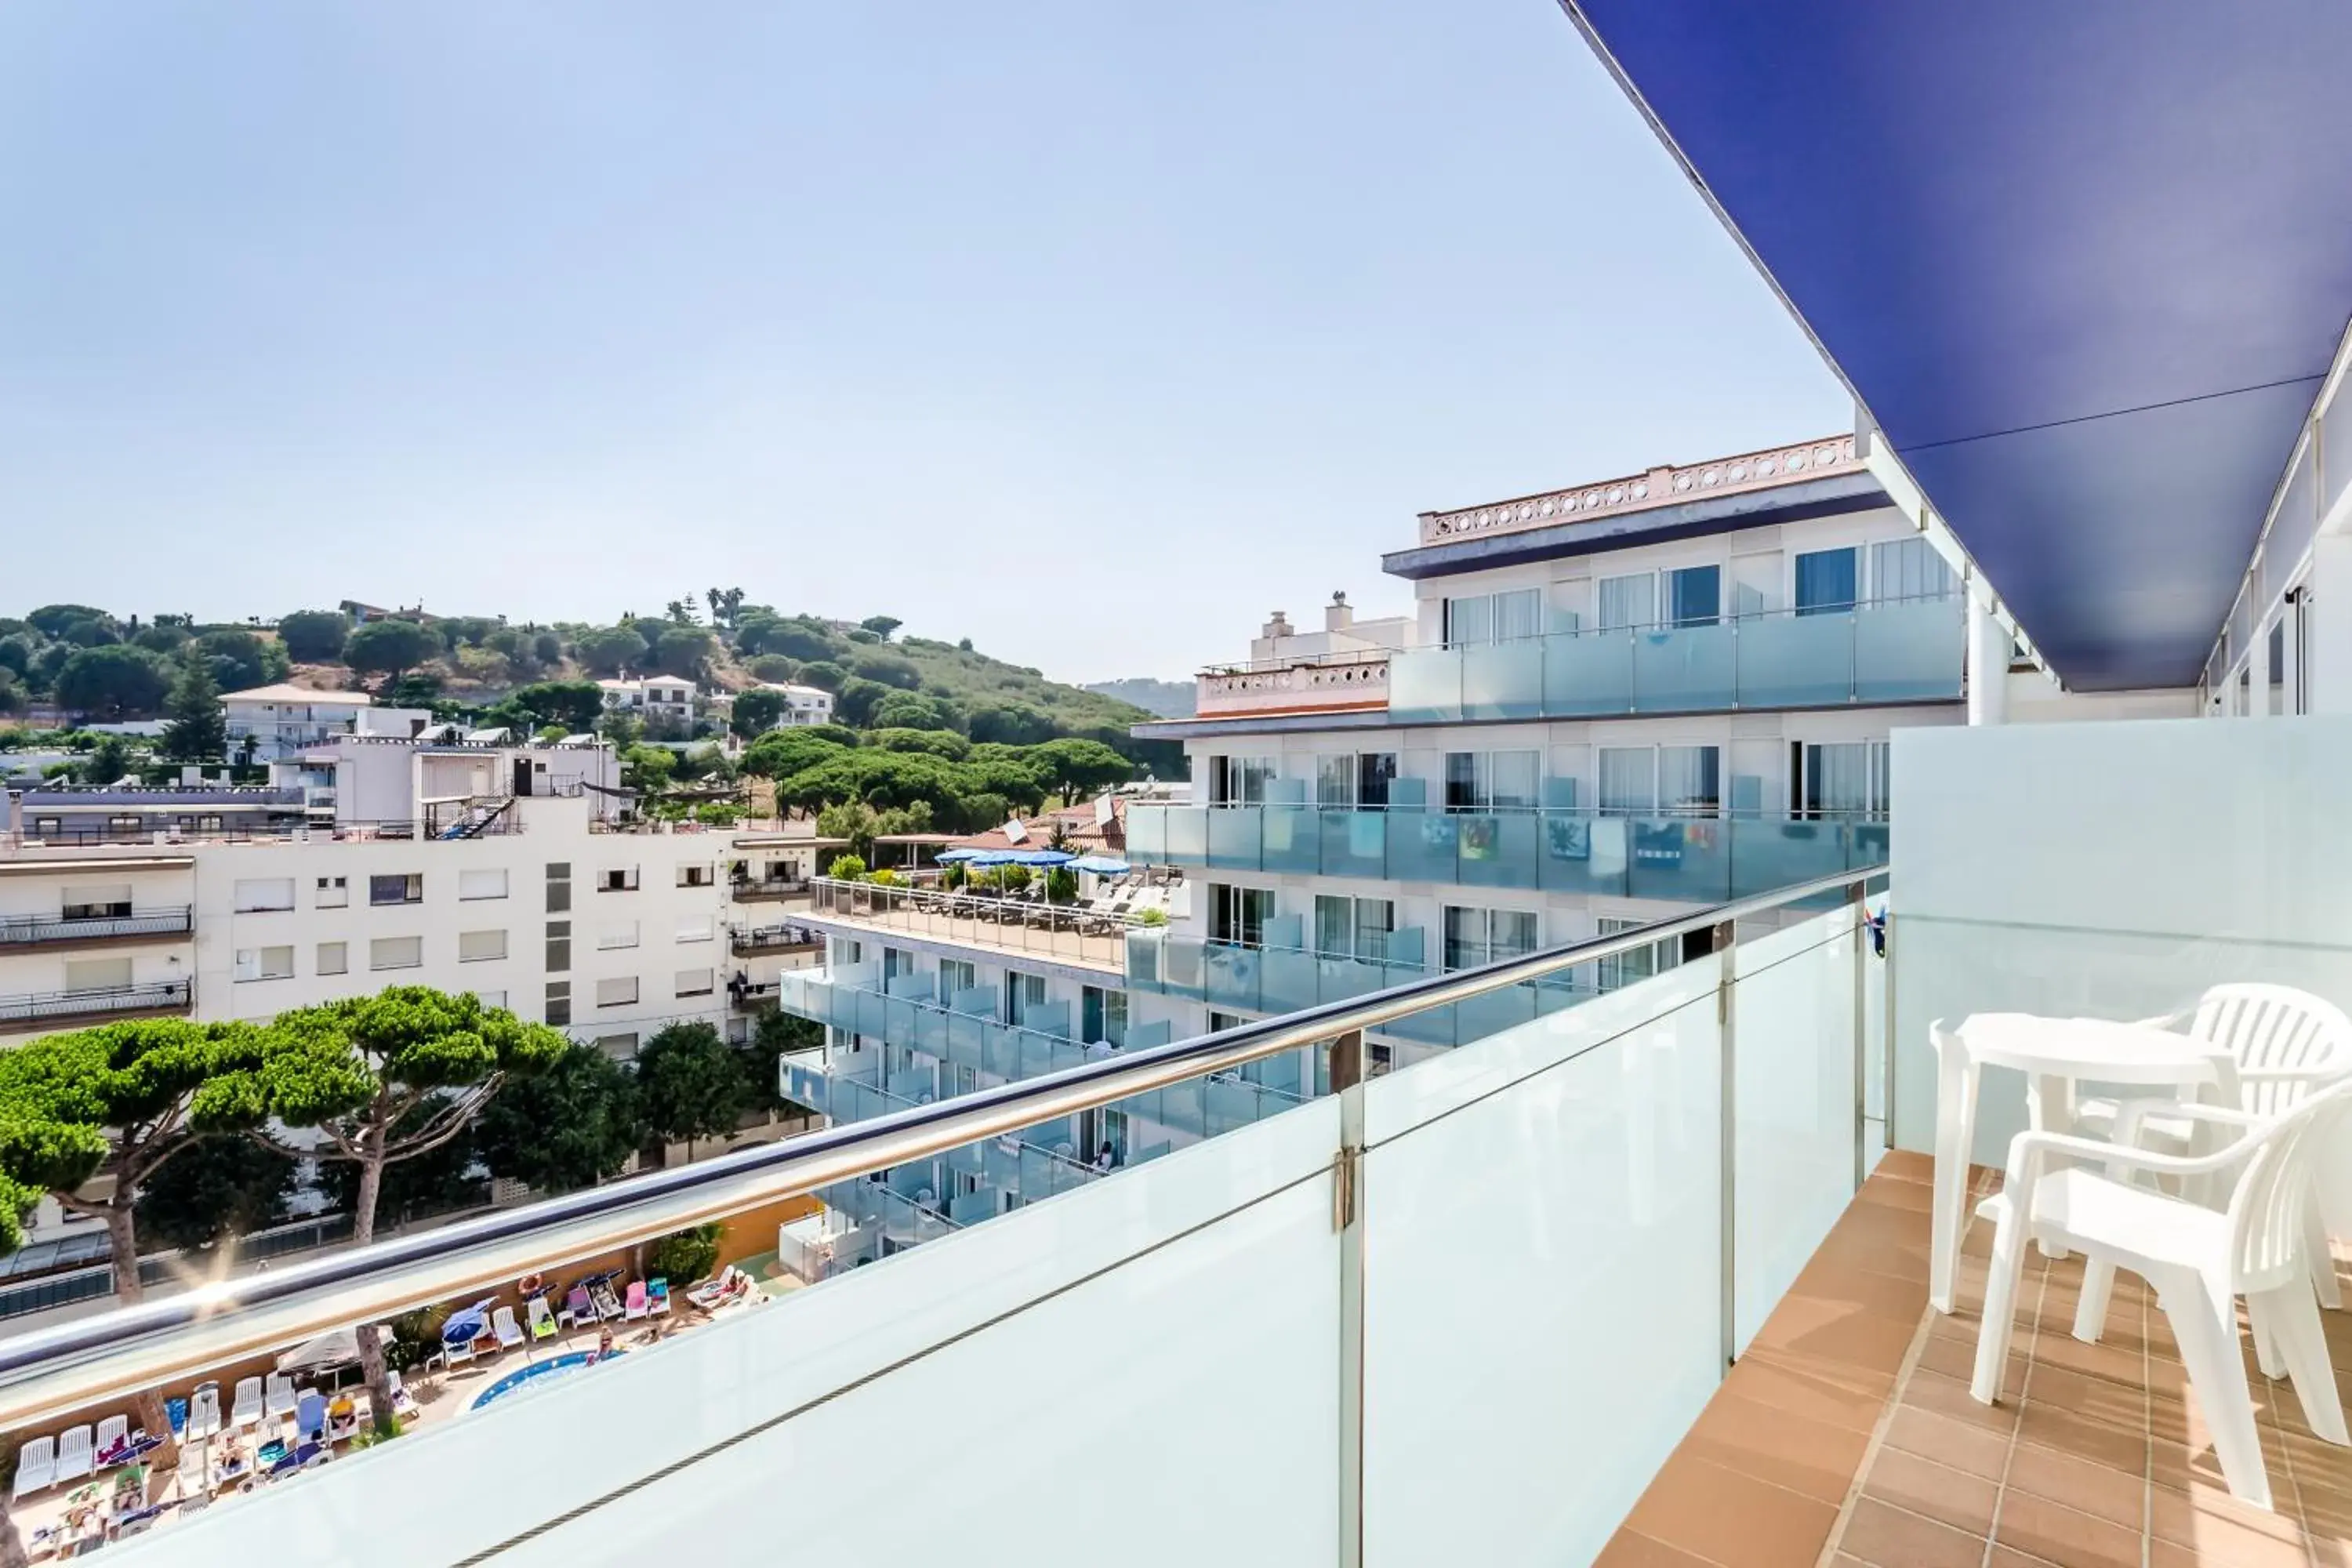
point(2291, 654)
point(2327, 623)
point(1988, 663)
point(2258, 693)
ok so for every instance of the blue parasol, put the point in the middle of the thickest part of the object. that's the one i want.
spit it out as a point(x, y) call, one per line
point(1101, 865)
point(464, 1328)
point(944, 856)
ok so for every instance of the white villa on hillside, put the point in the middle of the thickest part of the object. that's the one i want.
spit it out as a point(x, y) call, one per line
point(280, 721)
point(651, 697)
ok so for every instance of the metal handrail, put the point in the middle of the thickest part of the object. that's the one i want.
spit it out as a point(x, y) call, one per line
point(26, 929)
point(73, 1365)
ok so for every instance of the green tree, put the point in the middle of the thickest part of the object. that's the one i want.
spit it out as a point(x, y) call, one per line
point(773, 666)
point(51, 620)
point(236, 658)
point(756, 712)
point(198, 731)
point(609, 650)
point(574, 704)
point(546, 647)
point(936, 743)
point(112, 683)
point(161, 638)
point(12, 695)
point(90, 1117)
point(572, 1126)
point(1080, 767)
point(784, 753)
point(858, 698)
point(882, 625)
point(109, 761)
point(621, 727)
point(389, 648)
point(776, 1035)
point(217, 1189)
point(683, 650)
point(689, 1086)
point(315, 637)
point(1013, 724)
point(383, 1078)
point(647, 768)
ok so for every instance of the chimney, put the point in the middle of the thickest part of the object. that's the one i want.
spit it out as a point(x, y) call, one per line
point(1277, 626)
point(1338, 615)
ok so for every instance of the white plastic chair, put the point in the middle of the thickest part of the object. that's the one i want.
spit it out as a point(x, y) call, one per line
point(2285, 1044)
point(277, 1396)
point(204, 1412)
point(2198, 1259)
point(503, 1324)
point(112, 1433)
point(36, 1466)
point(76, 1454)
point(247, 1411)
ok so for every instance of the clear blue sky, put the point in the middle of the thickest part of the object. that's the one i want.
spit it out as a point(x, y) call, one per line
point(1088, 329)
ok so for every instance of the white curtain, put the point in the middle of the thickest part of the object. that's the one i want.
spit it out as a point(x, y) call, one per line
point(1628, 601)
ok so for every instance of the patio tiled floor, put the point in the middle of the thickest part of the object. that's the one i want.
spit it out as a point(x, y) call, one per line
point(1846, 1436)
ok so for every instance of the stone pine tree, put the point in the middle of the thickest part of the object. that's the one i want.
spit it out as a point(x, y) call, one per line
point(90, 1117)
point(196, 731)
point(382, 1079)
point(689, 1085)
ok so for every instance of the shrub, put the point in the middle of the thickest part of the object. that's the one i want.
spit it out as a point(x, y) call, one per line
point(686, 1255)
point(952, 877)
point(1061, 885)
point(1152, 917)
point(886, 877)
point(847, 868)
point(1013, 879)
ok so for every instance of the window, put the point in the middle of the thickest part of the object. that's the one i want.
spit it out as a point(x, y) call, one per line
point(1840, 779)
point(559, 1001)
point(334, 958)
point(98, 974)
point(1825, 582)
point(397, 888)
point(1492, 780)
point(1690, 780)
point(1910, 569)
point(1239, 914)
point(257, 894)
point(1629, 780)
point(396, 952)
point(1695, 593)
point(695, 928)
point(559, 887)
point(107, 901)
point(956, 977)
point(616, 935)
point(1630, 601)
point(621, 993)
point(1335, 780)
point(1239, 781)
point(620, 1047)
point(1022, 993)
point(331, 893)
point(1495, 617)
point(694, 983)
point(558, 946)
point(1354, 778)
point(265, 963)
point(492, 998)
point(476, 885)
point(1474, 937)
point(1353, 928)
point(1638, 964)
point(481, 946)
point(617, 881)
point(696, 876)
point(1103, 1015)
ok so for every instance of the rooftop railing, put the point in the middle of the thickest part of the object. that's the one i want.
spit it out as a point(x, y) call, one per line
point(1884, 651)
point(1529, 1260)
point(1018, 922)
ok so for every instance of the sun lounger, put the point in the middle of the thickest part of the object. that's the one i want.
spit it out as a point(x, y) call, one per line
point(277, 1396)
point(577, 1308)
point(503, 1324)
point(635, 1307)
point(310, 1417)
point(112, 1441)
point(542, 1322)
point(457, 1354)
point(75, 1453)
point(608, 1306)
point(658, 1297)
point(403, 1402)
point(196, 1473)
point(711, 1292)
point(36, 1466)
point(247, 1411)
point(204, 1415)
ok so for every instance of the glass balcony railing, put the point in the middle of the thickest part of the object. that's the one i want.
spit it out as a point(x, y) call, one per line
point(1890, 650)
point(1692, 860)
point(1303, 1320)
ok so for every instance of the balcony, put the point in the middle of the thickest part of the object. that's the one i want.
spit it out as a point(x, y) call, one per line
point(1319, 684)
point(122, 927)
point(768, 940)
point(1691, 860)
point(1895, 651)
point(768, 890)
point(1011, 924)
point(68, 1009)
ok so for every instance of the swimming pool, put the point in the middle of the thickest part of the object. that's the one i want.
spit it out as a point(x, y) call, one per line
point(539, 1371)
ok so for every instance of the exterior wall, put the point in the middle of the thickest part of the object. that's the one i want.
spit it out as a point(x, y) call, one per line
point(40, 888)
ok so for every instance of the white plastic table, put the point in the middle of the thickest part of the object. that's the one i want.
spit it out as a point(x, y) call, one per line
point(2054, 1054)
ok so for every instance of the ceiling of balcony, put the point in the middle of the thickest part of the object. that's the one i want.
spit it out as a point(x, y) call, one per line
point(2084, 264)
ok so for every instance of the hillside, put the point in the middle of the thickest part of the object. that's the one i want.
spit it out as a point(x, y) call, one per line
point(96, 663)
point(1168, 699)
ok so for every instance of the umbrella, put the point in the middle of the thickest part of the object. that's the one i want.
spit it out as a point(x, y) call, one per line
point(1101, 865)
point(1044, 857)
point(334, 1348)
point(464, 1328)
point(944, 856)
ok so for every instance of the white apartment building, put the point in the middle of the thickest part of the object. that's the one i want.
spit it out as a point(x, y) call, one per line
point(278, 720)
point(651, 697)
point(804, 705)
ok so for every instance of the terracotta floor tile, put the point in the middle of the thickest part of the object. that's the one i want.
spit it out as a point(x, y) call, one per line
point(1918, 1486)
point(1887, 1537)
point(2118, 1496)
point(1949, 1397)
point(2101, 1443)
point(1969, 1449)
point(2050, 1529)
point(2126, 1368)
point(1809, 1456)
point(2097, 1399)
point(1730, 1519)
point(2264, 1554)
point(1841, 1399)
point(2213, 1522)
point(2010, 1557)
point(1631, 1548)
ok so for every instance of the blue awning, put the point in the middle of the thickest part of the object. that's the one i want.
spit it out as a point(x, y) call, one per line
point(2085, 265)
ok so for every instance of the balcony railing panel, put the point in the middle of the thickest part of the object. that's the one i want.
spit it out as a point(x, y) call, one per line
point(35, 930)
point(162, 995)
point(1891, 651)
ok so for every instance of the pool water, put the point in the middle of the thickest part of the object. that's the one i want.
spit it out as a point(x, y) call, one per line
point(539, 1371)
